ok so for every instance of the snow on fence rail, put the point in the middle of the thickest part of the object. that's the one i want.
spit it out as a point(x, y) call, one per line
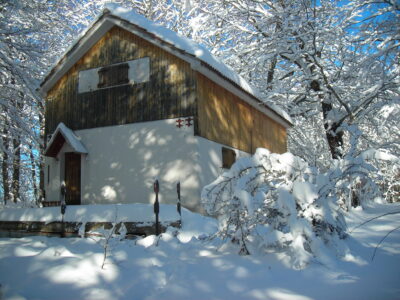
point(84, 220)
point(92, 213)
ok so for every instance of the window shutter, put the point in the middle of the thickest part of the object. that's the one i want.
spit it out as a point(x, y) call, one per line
point(113, 75)
point(130, 72)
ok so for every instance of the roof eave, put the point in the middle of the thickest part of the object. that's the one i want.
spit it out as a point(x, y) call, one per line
point(62, 135)
point(79, 48)
point(250, 99)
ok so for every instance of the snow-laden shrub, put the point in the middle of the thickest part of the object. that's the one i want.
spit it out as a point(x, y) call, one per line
point(363, 176)
point(356, 180)
point(348, 182)
point(387, 176)
point(274, 199)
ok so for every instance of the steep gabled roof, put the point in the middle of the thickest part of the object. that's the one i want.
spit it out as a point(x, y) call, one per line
point(62, 135)
point(199, 57)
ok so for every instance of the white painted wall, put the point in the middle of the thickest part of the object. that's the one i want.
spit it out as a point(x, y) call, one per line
point(52, 183)
point(123, 162)
point(209, 155)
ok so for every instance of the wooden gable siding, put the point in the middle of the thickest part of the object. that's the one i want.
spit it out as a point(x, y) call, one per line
point(169, 93)
point(226, 119)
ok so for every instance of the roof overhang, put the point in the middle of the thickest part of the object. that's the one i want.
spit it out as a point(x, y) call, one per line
point(63, 135)
point(88, 40)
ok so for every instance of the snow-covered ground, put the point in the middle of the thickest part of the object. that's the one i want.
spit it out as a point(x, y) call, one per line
point(188, 266)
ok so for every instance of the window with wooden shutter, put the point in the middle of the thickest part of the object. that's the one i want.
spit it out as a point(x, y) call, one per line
point(228, 157)
point(129, 72)
point(113, 75)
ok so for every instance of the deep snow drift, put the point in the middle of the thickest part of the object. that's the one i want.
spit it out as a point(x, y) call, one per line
point(186, 265)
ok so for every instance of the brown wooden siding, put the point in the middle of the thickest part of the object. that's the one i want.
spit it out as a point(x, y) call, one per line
point(169, 93)
point(226, 119)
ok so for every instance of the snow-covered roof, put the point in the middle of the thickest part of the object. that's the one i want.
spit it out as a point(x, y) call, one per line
point(180, 42)
point(198, 56)
point(61, 135)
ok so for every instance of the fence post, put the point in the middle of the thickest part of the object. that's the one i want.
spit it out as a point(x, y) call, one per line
point(63, 207)
point(178, 204)
point(157, 206)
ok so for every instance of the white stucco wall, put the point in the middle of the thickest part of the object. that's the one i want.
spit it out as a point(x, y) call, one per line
point(123, 162)
point(52, 182)
point(209, 157)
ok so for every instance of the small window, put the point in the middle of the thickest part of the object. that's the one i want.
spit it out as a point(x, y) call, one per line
point(129, 72)
point(113, 75)
point(48, 174)
point(228, 157)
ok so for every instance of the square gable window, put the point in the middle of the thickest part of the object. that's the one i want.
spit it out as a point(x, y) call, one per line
point(113, 75)
point(129, 72)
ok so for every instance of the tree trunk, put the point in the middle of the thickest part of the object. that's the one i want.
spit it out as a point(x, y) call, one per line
point(41, 152)
point(15, 183)
point(33, 173)
point(16, 169)
point(334, 136)
point(271, 71)
point(4, 165)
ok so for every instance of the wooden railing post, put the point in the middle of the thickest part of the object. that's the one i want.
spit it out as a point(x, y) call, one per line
point(178, 204)
point(63, 207)
point(157, 206)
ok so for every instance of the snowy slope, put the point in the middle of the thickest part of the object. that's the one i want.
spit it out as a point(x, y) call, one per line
point(189, 266)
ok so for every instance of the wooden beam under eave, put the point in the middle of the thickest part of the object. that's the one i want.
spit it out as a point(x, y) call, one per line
point(55, 146)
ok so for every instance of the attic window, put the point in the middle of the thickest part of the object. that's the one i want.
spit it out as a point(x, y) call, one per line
point(113, 75)
point(129, 72)
point(228, 157)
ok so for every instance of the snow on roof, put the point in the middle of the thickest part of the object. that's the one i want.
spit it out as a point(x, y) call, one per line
point(180, 42)
point(190, 47)
point(69, 137)
point(172, 38)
